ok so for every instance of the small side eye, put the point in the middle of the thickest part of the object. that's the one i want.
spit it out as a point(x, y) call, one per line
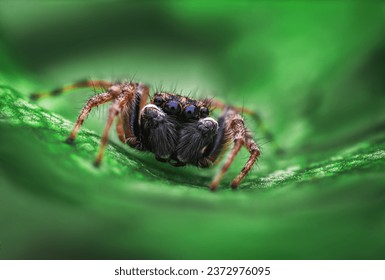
point(172, 107)
point(191, 112)
point(158, 100)
point(204, 112)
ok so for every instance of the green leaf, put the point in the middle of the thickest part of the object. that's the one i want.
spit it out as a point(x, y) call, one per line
point(318, 88)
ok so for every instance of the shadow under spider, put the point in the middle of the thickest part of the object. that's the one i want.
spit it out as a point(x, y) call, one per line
point(151, 168)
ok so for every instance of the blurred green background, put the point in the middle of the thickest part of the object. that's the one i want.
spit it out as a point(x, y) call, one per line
point(313, 70)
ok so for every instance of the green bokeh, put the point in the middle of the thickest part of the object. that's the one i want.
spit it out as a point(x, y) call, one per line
point(315, 72)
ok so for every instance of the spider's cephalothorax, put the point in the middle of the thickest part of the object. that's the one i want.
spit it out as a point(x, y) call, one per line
point(177, 129)
point(185, 109)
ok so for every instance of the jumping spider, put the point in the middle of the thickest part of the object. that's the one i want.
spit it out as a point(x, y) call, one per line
point(177, 129)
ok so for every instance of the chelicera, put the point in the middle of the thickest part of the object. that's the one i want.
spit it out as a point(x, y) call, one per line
point(178, 130)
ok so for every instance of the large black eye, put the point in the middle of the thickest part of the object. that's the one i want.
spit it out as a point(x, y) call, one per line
point(172, 107)
point(191, 111)
point(158, 100)
point(204, 112)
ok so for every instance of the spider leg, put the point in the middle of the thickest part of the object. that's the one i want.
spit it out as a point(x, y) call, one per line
point(242, 137)
point(220, 105)
point(92, 102)
point(144, 91)
point(238, 130)
point(81, 84)
point(120, 129)
point(130, 117)
point(254, 154)
point(123, 100)
point(256, 117)
point(112, 113)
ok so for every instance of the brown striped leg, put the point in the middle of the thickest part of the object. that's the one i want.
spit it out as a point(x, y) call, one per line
point(220, 105)
point(123, 101)
point(113, 112)
point(144, 91)
point(238, 130)
point(256, 117)
point(254, 154)
point(82, 84)
point(92, 102)
point(120, 129)
point(134, 110)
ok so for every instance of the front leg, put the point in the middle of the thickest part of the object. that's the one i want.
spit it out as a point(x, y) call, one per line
point(235, 129)
point(257, 119)
point(91, 103)
point(122, 101)
point(129, 129)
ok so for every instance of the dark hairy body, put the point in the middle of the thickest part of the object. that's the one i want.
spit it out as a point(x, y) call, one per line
point(178, 130)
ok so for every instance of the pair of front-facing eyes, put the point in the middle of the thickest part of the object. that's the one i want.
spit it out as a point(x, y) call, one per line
point(173, 107)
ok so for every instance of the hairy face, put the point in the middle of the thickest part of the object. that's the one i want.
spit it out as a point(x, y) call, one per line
point(177, 128)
